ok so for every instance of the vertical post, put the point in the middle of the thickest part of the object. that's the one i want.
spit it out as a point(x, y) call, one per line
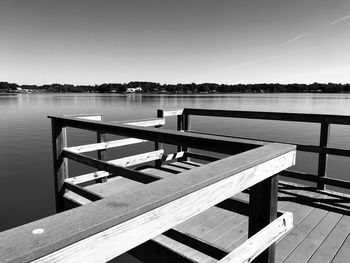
point(262, 211)
point(186, 127)
point(158, 145)
point(101, 154)
point(322, 157)
point(180, 127)
point(60, 164)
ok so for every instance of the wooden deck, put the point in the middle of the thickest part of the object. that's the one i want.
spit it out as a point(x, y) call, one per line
point(321, 231)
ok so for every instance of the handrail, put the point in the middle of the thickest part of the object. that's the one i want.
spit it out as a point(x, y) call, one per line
point(325, 120)
point(104, 229)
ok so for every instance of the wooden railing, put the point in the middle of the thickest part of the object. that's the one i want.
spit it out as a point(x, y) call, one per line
point(107, 227)
point(322, 149)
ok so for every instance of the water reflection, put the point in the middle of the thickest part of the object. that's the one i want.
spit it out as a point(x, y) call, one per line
point(25, 135)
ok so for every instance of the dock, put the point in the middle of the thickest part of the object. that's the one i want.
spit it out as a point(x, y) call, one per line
point(214, 198)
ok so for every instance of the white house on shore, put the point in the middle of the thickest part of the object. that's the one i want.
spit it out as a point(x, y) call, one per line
point(133, 90)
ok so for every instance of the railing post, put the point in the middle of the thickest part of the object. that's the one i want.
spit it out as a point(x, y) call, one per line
point(180, 127)
point(158, 145)
point(60, 164)
point(186, 127)
point(262, 211)
point(101, 154)
point(322, 157)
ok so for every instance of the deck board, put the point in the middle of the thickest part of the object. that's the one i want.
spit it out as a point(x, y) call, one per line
point(321, 221)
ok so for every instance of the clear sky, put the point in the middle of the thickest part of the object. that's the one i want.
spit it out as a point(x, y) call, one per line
point(178, 41)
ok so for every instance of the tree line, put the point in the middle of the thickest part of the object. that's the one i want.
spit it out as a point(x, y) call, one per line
point(153, 87)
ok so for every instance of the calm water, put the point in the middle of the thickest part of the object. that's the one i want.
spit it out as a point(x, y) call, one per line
point(26, 189)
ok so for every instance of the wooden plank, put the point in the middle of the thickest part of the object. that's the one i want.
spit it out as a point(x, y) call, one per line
point(179, 248)
point(330, 246)
point(343, 254)
point(60, 163)
point(204, 142)
point(87, 177)
point(167, 113)
point(112, 168)
point(137, 159)
point(196, 243)
point(75, 198)
point(260, 241)
point(118, 223)
point(147, 123)
point(104, 145)
point(201, 156)
point(82, 192)
point(286, 246)
point(89, 117)
point(197, 221)
point(282, 116)
point(312, 241)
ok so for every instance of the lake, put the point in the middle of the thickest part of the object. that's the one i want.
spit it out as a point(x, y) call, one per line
point(26, 189)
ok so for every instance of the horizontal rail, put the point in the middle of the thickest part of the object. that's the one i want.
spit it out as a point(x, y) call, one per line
point(138, 159)
point(204, 142)
point(115, 224)
point(256, 244)
point(278, 116)
point(104, 145)
point(112, 168)
point(317, 179)
point(167, 113)
point(87, 177)
point(147, 123)
point(300, 147)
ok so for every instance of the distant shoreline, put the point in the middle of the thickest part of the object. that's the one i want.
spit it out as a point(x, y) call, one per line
point(193, 88)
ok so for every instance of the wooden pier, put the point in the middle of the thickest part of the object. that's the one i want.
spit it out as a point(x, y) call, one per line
point(187, 206)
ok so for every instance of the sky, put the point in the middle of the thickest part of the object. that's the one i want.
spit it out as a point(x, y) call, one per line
point(226, 42)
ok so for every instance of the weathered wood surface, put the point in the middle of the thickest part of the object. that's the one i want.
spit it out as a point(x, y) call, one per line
point(147, 123)
point(60, 163)
point(104, 145)
point(125, 221)
point(87, 177)
point(109, 167)
point(138, 159)
point(260, 241)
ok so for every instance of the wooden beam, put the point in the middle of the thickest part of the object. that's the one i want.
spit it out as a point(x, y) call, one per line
point(104, 145)
point(60, 163)
point(197, 244)
point(202, 156)
point(82, 192)
point(138, 159)
point(204, 142)
point(157, 144)
point(322, 157)
point(116, 224)
point(112, 168)
point(250, 249)
point(147, 123)
point(279, 116)
point(167, 113)
point(314, 178)
point(262, 211)
point(87, 177)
